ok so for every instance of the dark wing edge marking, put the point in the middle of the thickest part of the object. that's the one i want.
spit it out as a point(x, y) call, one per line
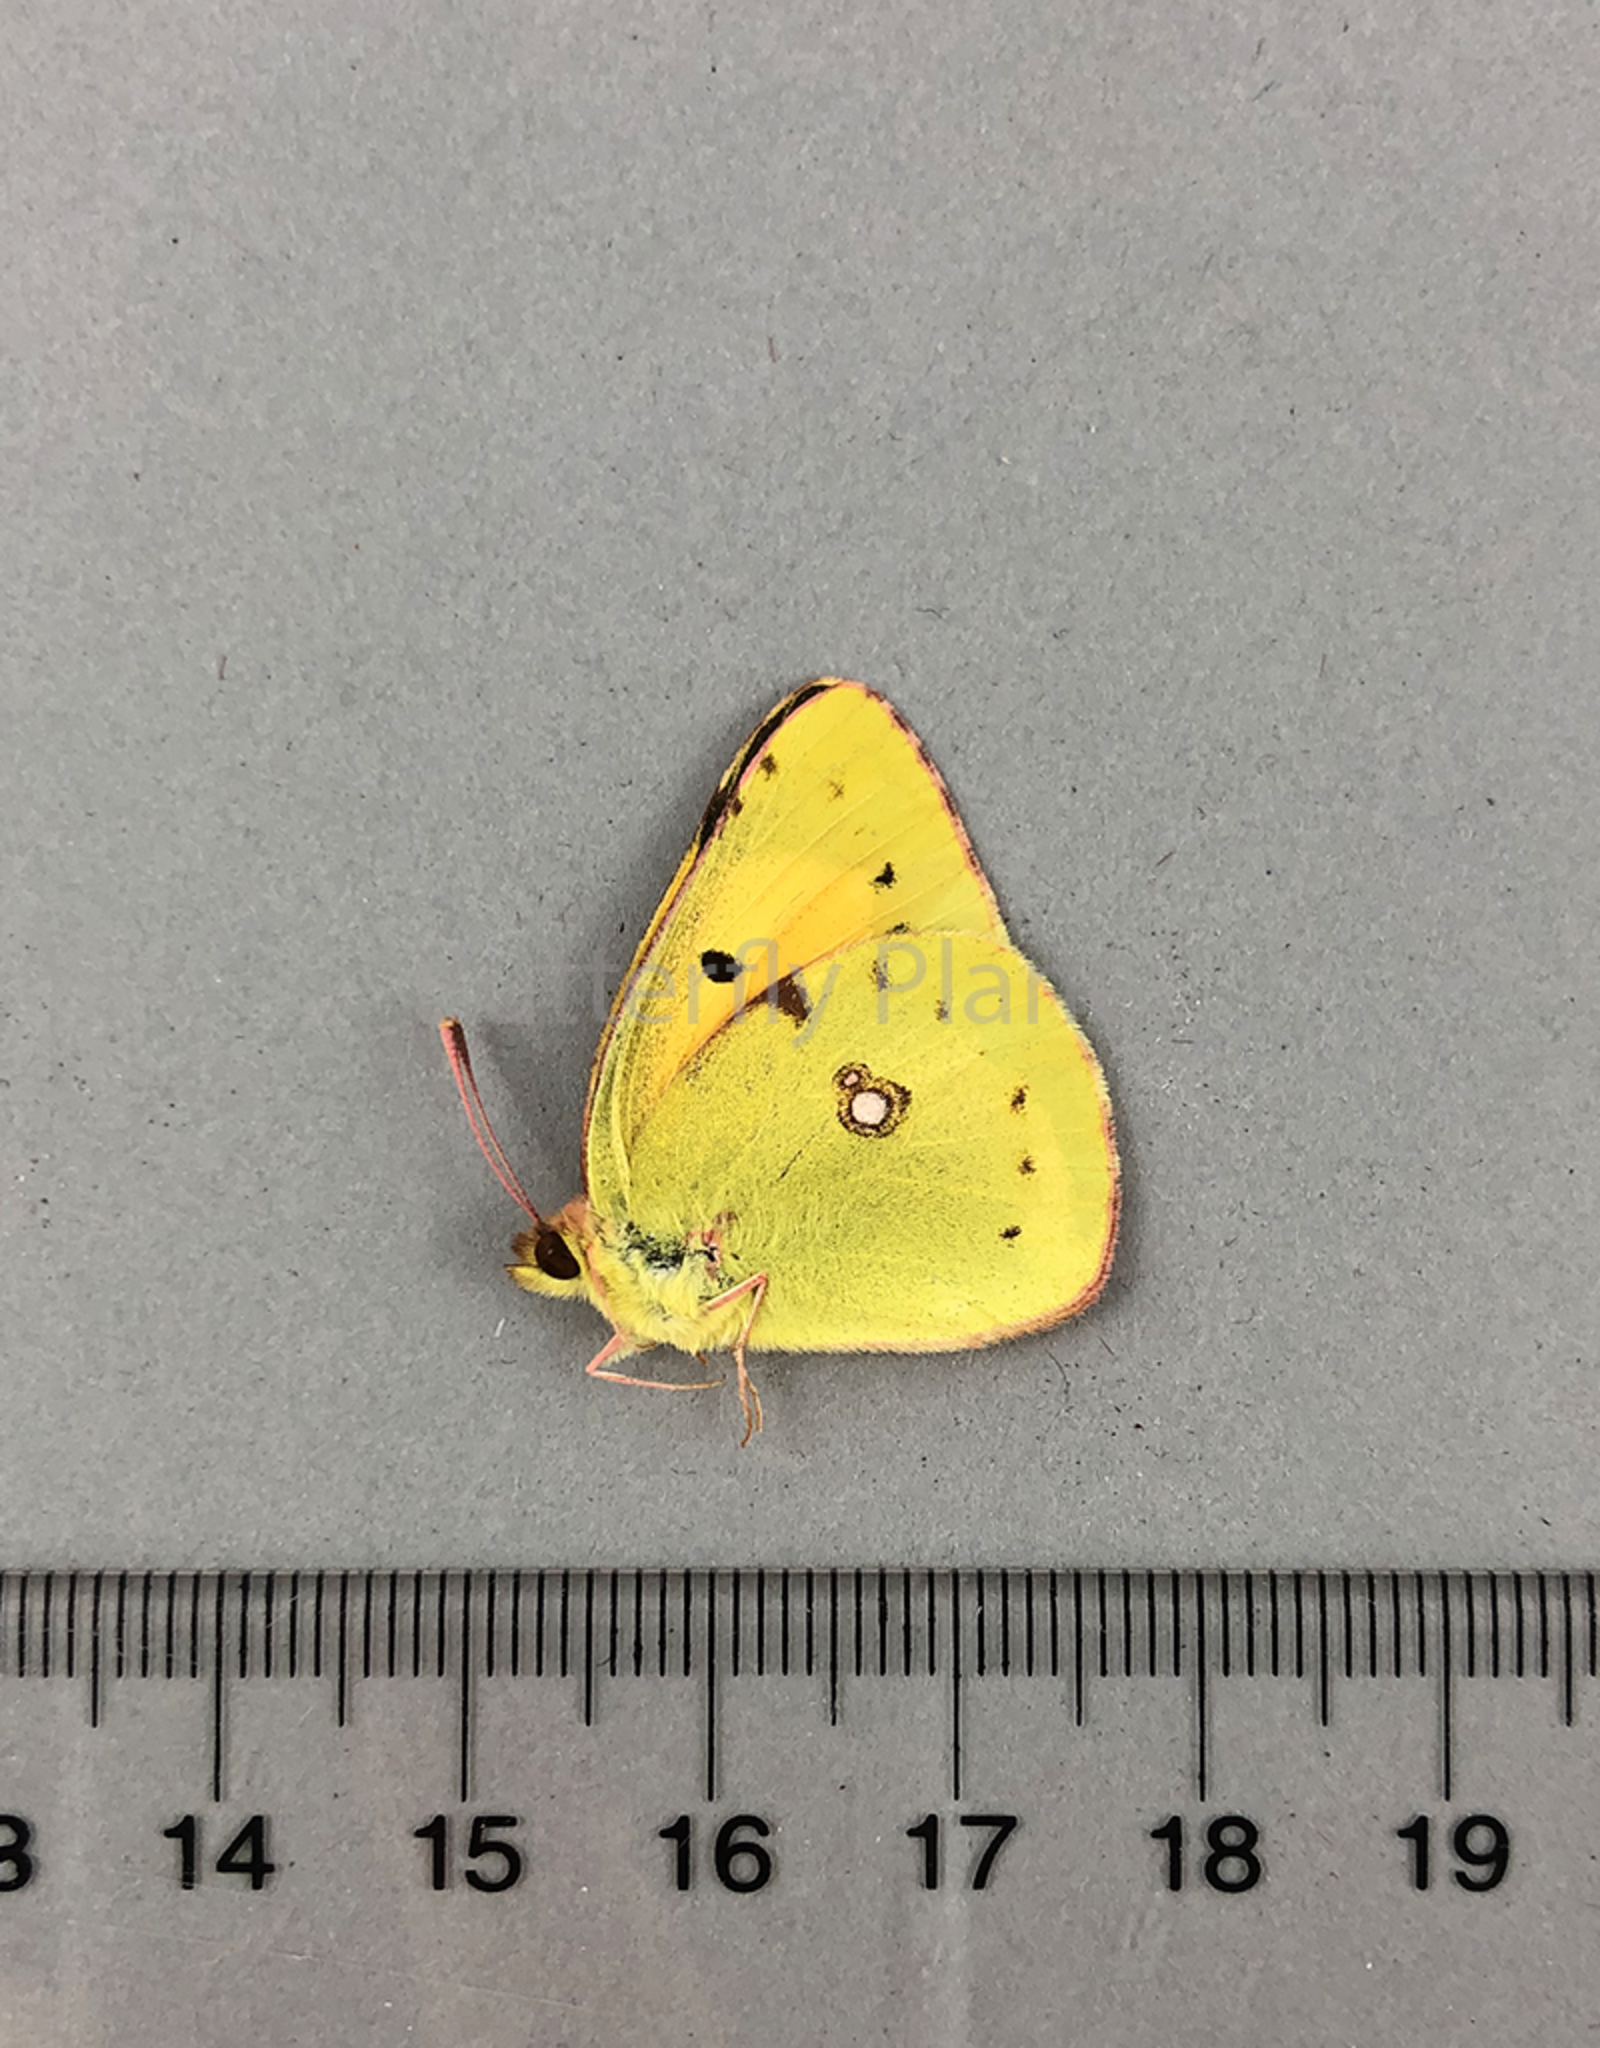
point(716, 815)
point(957, 823)
point(727, 788)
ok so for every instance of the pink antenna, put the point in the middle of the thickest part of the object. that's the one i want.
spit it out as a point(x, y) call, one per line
point(455, 1045)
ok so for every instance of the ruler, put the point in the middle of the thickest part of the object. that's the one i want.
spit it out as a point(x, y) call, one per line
point(798, 1805)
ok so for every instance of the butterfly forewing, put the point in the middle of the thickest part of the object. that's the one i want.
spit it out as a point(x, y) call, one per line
point(832, 827)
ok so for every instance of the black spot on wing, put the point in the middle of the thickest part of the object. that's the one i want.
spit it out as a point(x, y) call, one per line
point(717, 966)
point(790, 998)
point(885, 877)
point(941, 1012)
point(895, 929)
point(787, 997)
point(1027, 1166)
point(768, 764)
point(1012, 1230)
point(1019, 1100)
point(725, 801)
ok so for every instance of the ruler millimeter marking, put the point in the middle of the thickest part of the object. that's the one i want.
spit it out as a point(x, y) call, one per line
point(1072, 1627)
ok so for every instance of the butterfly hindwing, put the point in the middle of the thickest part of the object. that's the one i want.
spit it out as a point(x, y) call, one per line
point(832, 827)
point(917, 1152)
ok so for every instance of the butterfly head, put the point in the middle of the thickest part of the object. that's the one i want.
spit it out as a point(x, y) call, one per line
point(550, 1256)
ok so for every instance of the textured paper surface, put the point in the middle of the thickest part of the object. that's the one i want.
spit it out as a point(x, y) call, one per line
point(435, 439)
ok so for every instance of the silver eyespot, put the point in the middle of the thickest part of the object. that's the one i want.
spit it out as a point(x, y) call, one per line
point(867, 1105)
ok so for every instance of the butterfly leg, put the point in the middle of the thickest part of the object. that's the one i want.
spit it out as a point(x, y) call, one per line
point(620, 1347)
point(749, 1399)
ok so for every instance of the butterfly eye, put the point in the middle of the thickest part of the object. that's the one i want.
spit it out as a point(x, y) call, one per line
point(866, 1106)
point(553, 1256)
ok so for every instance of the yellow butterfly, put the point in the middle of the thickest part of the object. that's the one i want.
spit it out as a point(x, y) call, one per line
point(833, 1108)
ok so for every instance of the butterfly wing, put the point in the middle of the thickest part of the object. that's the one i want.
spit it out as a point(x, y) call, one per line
point(918, 1161)
point(831, 827)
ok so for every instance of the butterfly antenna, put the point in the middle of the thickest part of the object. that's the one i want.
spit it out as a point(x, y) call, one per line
point(455, 1046)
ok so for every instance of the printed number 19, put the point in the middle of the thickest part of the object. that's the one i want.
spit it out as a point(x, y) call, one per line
point(1490, 1862)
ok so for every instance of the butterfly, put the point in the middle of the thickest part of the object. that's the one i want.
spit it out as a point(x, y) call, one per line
point(833, 1107)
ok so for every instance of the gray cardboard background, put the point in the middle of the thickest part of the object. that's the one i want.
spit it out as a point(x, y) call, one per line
point(434, 438)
